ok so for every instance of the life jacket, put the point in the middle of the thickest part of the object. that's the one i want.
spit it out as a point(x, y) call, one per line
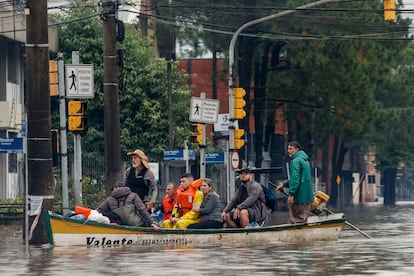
point(185, 198)
point(137, 183)
point(168, 205)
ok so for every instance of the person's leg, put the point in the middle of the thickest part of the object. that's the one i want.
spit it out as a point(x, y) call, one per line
point(244, 218)
point(300, 212)
point(229, 221)
point(208, 224)
point(166, 224)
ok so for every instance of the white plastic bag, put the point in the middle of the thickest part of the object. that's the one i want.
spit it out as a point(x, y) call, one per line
point(98, 217)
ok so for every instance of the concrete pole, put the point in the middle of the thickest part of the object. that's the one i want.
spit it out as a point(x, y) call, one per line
point(63, 132)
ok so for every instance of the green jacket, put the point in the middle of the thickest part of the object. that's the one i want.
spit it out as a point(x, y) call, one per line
point(300, 182)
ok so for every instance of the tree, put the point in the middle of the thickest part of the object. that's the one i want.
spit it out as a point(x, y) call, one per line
point(143, 96)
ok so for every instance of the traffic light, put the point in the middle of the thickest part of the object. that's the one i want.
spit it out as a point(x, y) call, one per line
point(238, 138)
point(389, 10)
point(77, 119)
point(196, 134)
point(53, 78)
point(239, 103)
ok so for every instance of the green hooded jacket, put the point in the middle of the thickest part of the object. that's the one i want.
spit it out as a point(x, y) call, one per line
point(300, 181)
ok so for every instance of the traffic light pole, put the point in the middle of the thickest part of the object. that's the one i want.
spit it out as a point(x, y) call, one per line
point(232, 75)
point(77, 155)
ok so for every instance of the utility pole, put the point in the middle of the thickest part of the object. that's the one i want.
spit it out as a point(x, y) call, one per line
point(39, 143)
point(113, 164)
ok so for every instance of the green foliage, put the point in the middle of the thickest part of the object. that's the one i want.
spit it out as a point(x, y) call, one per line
point(143, 101)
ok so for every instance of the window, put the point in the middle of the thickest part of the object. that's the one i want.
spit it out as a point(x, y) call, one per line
point(12, 63)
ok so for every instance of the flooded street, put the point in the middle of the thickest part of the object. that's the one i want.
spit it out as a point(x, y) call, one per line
point(390, 252)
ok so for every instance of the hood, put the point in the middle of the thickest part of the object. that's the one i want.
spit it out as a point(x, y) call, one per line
point(121, 192)
point(301, 154)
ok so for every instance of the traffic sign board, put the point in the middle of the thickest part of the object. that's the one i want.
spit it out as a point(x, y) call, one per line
point(235, 160)
point(79, 81)
point(11, 145)
point(204, 110)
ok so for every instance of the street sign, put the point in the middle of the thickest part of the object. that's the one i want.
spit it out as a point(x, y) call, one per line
point(235, 160)
point(177, 155)
point(11, 145)
point(79, 81)
point(204, 110)
point(214, 158)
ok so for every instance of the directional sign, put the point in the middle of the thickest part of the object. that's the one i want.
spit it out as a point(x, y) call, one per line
point(171, 155)
point(11, 145)
point(79, 81)
point(215, 158)
point(204, 110)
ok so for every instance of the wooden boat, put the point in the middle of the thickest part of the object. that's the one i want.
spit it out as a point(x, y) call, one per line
point(64, 231)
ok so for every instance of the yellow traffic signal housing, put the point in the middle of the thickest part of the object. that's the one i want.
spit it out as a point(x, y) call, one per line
point(77, 119)
point(389, 10)
point(76, 123)
point(76, 108)
point(239, 103)
point(53, 78)
point(238, 138)
point(196, 134)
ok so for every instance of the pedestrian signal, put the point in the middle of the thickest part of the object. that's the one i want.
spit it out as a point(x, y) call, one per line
point(196, 134)
point(77, 119)
point(238, 138)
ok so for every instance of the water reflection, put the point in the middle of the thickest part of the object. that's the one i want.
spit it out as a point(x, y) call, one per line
point(389, 253)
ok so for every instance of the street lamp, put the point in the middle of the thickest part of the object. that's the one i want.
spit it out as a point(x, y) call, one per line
point(230, 174)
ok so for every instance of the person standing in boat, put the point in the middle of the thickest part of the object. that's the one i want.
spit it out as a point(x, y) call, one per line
point(125, 207)
point(248, 204)
point(140, 179)
point(210, 209)
point(300, 195)
point(189, 199)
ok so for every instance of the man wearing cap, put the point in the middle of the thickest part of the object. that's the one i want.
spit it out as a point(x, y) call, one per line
point(248, 204)
point(300, 195)
point(140, 179)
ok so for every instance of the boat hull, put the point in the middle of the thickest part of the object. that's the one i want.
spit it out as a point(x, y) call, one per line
point(63, 231)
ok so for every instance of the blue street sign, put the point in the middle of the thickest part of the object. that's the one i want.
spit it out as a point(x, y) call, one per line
point(215, 158)
point(171, 155)
point(10, 145)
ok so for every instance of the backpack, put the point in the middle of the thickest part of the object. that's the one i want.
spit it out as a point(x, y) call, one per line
point(270, 198)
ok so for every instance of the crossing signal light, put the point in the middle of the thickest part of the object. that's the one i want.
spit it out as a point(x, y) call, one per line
point(389, 10)
point(53, 78)
point(238, 138)
point(196, 134)
point(239, 103)
point(77, 119)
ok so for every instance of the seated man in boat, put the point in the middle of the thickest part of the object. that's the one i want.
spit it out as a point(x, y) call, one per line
point(168, 202)
point(128, 207)
point(248, 204)
point(189, 199)
point(210, 209)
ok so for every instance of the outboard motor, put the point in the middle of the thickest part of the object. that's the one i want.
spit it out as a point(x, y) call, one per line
point(319, 203)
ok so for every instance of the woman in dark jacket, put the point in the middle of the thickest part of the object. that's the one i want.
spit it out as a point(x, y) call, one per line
point(128, 206)
point(210, 208)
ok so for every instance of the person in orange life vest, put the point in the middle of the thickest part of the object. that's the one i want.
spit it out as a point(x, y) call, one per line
point(140, 179)
point(169, 201)
point(189, 199)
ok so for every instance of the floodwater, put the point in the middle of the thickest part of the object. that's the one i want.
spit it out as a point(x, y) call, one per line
point(390, 252)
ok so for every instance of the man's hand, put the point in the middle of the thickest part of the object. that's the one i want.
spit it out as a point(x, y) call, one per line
point(223, 216)
point(236, 213)
point(280, 187)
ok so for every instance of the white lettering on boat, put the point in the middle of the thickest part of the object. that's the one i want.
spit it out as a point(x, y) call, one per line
point(182, 241)
point(107, 242)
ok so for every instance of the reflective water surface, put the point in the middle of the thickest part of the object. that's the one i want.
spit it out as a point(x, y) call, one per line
point(390, 252)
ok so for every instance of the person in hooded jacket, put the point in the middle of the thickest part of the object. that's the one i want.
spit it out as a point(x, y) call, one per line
point(300, 195)
point(126, 207)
